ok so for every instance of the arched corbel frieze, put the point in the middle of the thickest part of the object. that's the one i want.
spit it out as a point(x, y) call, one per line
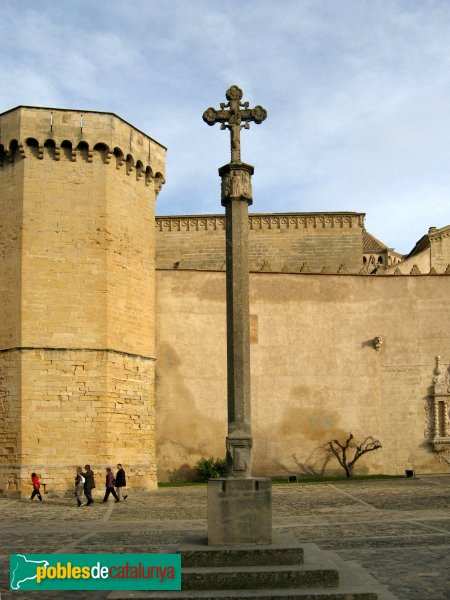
point(104, 152)
point(139, 170)
point(84, 151)
point(148, 176)
point(52, 148)
point(68, 151)
point(120, 158)
point(129, 164)
point(159, 181)
point(32, 146)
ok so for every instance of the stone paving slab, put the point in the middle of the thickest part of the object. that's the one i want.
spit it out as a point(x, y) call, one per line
point(397, 529)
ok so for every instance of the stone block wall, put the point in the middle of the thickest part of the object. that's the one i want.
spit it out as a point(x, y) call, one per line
point(11, 192)
point(86, 406)
point(78, 257)
point(10, 420)
point(277, 242)
point(315, 371)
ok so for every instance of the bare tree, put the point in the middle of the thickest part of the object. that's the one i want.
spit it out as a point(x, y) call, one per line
point(342, 451)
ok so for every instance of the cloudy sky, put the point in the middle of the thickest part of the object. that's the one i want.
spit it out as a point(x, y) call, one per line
point(357, 94)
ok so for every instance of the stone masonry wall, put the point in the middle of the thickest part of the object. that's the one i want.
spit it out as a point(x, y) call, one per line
point(276, 242)
point(10, 420)
point(315, 371)
point(11, 193)
point(82, 333)
point(85, 406)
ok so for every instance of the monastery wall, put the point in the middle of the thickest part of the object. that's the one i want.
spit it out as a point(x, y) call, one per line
point(421, 261)
point(77, 359)
point(276, 242)
point(316, 374)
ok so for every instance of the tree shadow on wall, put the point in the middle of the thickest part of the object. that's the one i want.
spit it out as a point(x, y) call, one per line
point(314, 465)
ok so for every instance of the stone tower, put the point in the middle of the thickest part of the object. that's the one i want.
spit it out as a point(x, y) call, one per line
point(77, 275)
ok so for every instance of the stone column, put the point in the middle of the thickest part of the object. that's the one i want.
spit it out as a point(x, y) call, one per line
point(236, 198)
point(239, 507)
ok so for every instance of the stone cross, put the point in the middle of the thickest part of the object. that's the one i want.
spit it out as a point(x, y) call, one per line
point(236, 197)
point(234, 115)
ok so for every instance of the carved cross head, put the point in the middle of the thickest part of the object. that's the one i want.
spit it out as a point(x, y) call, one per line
point(234, 115)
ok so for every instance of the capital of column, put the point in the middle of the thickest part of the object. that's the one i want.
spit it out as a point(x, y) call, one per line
point(236, 182)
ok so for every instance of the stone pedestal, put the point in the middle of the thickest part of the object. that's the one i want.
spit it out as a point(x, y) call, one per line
point(239, 511)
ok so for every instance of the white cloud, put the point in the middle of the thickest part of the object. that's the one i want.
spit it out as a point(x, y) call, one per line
point(357, 95)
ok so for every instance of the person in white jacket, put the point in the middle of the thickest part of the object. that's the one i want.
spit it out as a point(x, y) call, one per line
point(79, 486)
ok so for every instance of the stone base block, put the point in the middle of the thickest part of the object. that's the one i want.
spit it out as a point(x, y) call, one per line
point(239, 511)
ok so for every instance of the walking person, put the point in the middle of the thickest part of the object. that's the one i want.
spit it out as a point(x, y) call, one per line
point(89, 484)
point(36, 481)
point(79, 486)
point(110, 481)
point(121, 482)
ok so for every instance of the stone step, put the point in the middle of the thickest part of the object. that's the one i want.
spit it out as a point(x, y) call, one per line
point(355, 583)
point(285, 594)
point(259, 577)
point(284, 550)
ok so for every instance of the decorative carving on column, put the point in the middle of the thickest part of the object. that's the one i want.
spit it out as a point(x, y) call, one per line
point(236, 182)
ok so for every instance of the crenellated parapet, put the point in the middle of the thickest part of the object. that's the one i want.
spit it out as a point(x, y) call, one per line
point(341, 220)
point(65, 135)
point(278, 242)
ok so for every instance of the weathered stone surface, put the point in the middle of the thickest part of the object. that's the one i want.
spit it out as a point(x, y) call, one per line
point(323, 576)
point(239, 511)
point(239, 439)
point(235, 115)
point(315, 372)
point(280, 239)
point(281, 594)
point(283, 550)
point(249, 578)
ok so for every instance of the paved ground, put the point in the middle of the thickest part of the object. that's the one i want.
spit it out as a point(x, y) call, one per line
point(398, 529)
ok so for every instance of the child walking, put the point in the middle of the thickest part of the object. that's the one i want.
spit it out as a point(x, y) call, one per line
point(35, 480)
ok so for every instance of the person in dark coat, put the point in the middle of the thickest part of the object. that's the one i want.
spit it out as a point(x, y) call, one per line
point(89, 484)
point(121, 482)
point(110, 481)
